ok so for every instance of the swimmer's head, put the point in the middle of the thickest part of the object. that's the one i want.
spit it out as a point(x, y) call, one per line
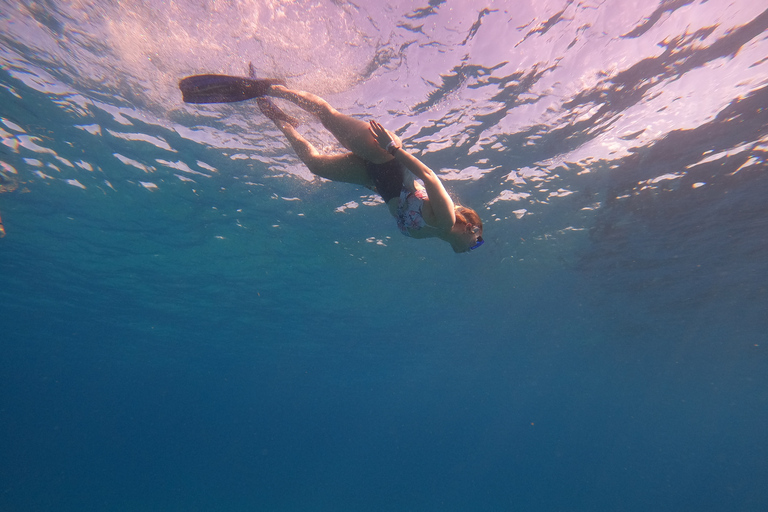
point(469, 228)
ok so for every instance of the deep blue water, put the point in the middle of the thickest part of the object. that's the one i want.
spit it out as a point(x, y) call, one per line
point(190, 323)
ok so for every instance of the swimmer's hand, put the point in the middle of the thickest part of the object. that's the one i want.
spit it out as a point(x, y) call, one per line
point(382, 136)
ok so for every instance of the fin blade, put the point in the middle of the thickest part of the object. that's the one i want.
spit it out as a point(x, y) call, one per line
point(223, 88)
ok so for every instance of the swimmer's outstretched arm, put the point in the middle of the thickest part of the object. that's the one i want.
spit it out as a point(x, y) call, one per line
point(441, 202)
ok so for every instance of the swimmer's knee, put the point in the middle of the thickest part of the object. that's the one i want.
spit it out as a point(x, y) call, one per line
point(326, 113)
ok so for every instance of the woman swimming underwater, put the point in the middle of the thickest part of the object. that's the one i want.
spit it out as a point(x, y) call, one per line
point(376, 159)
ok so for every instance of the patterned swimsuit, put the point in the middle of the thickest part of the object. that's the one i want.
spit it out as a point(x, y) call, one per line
point(409, 210)
point(388, 178)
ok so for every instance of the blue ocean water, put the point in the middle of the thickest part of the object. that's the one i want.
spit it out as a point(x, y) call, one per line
point(192, 323)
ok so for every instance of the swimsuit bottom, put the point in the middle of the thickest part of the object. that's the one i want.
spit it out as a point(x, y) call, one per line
point(387, 177)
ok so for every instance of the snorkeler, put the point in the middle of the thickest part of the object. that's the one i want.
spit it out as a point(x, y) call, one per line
point(376, 159)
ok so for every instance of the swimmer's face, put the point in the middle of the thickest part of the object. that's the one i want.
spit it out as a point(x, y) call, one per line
point(470, 238)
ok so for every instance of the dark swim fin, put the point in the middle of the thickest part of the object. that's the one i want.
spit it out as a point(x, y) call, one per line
point(223, 88)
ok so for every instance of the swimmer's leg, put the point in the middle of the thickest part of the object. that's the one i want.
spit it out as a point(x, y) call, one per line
point(352, 133)
point(347, 168)
point(269, 109)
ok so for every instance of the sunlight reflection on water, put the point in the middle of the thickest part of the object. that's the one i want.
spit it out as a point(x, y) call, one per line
point(535, 104)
